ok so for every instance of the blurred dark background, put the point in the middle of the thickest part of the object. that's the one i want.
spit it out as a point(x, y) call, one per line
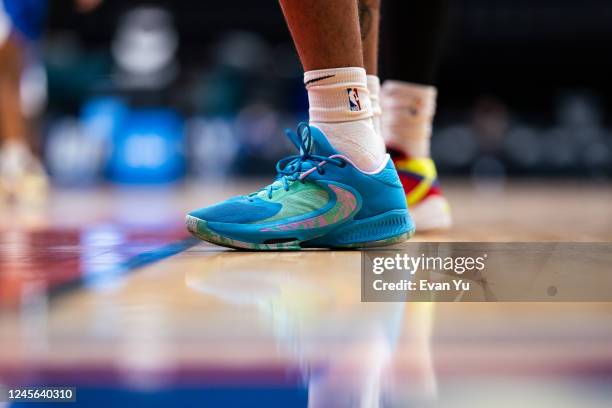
point(524, 88)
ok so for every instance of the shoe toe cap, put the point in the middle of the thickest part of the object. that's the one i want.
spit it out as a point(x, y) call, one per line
point(238, 210)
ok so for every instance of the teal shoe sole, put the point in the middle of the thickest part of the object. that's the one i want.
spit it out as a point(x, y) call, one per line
point(385, 229)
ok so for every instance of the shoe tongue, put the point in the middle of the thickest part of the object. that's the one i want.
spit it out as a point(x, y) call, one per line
point(320, 145)
point(316, 143)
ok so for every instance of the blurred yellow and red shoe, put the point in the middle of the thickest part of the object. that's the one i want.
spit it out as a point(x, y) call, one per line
point(428, 206)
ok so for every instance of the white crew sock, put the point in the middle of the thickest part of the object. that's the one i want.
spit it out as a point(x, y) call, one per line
point(340, 106)
point(408, 111)
point(374, 88)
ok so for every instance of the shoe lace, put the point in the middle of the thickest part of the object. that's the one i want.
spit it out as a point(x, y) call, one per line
point(296, 167)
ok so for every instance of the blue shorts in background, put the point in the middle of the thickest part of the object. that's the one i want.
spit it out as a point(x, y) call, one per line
point(27, 16)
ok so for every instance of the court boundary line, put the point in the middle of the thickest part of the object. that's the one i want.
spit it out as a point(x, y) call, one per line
point(132, 264)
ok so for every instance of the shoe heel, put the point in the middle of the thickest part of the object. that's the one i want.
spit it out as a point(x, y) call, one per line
point(380, 230)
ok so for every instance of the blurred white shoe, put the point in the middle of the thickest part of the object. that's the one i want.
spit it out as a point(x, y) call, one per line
point(22, 176)
point(428, 206)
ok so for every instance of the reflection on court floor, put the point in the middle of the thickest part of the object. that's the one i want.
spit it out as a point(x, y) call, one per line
point(132, 311)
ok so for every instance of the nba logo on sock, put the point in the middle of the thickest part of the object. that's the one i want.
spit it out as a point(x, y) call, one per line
point(353, 96)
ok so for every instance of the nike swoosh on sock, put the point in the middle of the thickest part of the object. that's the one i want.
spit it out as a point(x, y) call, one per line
point(318, 79)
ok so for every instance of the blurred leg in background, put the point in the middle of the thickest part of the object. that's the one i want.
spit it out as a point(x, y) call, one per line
point(412, 35)
point(13, 124)
point(22, 176)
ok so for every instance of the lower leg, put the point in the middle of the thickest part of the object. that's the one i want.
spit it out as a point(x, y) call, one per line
point(408, 96)
point(22, 177)
point(328, 39)
point(369, 22)
point(13, 126)
point(325, 33)
point(412, 38)
point(408, 102)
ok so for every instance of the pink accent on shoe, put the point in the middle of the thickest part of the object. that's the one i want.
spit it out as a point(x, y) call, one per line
point(346, 204)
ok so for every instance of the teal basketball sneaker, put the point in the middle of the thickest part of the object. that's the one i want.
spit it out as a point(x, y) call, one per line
point(319, 199)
